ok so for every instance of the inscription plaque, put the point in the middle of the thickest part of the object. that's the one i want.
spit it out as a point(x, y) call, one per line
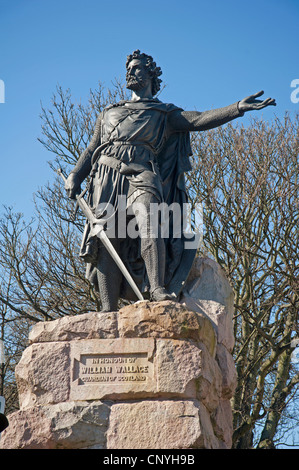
point(113, 368)
point(103, 368)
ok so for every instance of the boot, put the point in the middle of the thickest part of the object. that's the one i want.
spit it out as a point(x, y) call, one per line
point(153, 253)
point(160, 294)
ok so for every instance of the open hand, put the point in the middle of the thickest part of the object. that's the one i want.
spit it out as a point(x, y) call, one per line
point(251, 103)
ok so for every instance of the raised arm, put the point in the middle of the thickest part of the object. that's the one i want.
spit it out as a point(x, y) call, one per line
point(83, 165)
point(201, 121)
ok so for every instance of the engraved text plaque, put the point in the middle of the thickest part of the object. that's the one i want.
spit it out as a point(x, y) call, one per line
point(111, 368)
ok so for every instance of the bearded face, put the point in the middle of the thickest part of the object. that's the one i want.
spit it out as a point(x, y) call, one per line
point(137, 75)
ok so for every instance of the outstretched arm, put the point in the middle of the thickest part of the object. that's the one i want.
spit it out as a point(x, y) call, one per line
point(201, 121)
point(83, 165)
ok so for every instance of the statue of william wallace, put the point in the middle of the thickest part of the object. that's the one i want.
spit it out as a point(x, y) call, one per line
point(140, 151)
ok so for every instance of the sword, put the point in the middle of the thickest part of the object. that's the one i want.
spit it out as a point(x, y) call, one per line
point(100, 232)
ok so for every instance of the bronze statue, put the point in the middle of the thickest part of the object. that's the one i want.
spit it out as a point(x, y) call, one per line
point(140, 150)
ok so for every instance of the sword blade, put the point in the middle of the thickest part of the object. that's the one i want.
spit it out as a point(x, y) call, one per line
point(99, 231)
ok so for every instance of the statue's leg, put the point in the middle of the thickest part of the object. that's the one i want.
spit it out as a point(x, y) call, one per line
point(109, 278)
point(152, 246)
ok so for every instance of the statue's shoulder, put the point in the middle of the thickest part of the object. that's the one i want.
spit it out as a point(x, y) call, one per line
point(167, 107)
point(153, 104)
point(115, 105)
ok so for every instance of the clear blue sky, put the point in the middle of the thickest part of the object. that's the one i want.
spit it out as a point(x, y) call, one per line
point(212, 53)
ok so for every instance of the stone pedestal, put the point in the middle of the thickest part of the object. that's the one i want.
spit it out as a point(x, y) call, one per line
point(154, 375)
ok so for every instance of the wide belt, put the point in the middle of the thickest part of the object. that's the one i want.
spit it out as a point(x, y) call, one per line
point(134, 143)
point(98, 150)
point(122, 167)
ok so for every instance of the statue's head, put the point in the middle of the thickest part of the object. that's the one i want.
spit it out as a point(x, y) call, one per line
point(147, 69)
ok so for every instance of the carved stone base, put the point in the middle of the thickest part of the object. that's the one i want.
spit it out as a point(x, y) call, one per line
point(154, 375)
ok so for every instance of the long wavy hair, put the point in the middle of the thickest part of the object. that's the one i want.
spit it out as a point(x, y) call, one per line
point(151, 66)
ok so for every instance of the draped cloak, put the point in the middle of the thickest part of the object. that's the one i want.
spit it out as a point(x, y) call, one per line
point(140, 154)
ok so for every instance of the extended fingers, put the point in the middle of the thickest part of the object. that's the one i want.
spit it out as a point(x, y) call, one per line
point(272, 102)
point(267, 102)
point(259, 93)
point(251, 98)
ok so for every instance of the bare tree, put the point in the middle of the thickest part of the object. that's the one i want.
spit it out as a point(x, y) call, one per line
point(41, 257)
point(13, 334)
point(247, 180)
point(42, 277)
